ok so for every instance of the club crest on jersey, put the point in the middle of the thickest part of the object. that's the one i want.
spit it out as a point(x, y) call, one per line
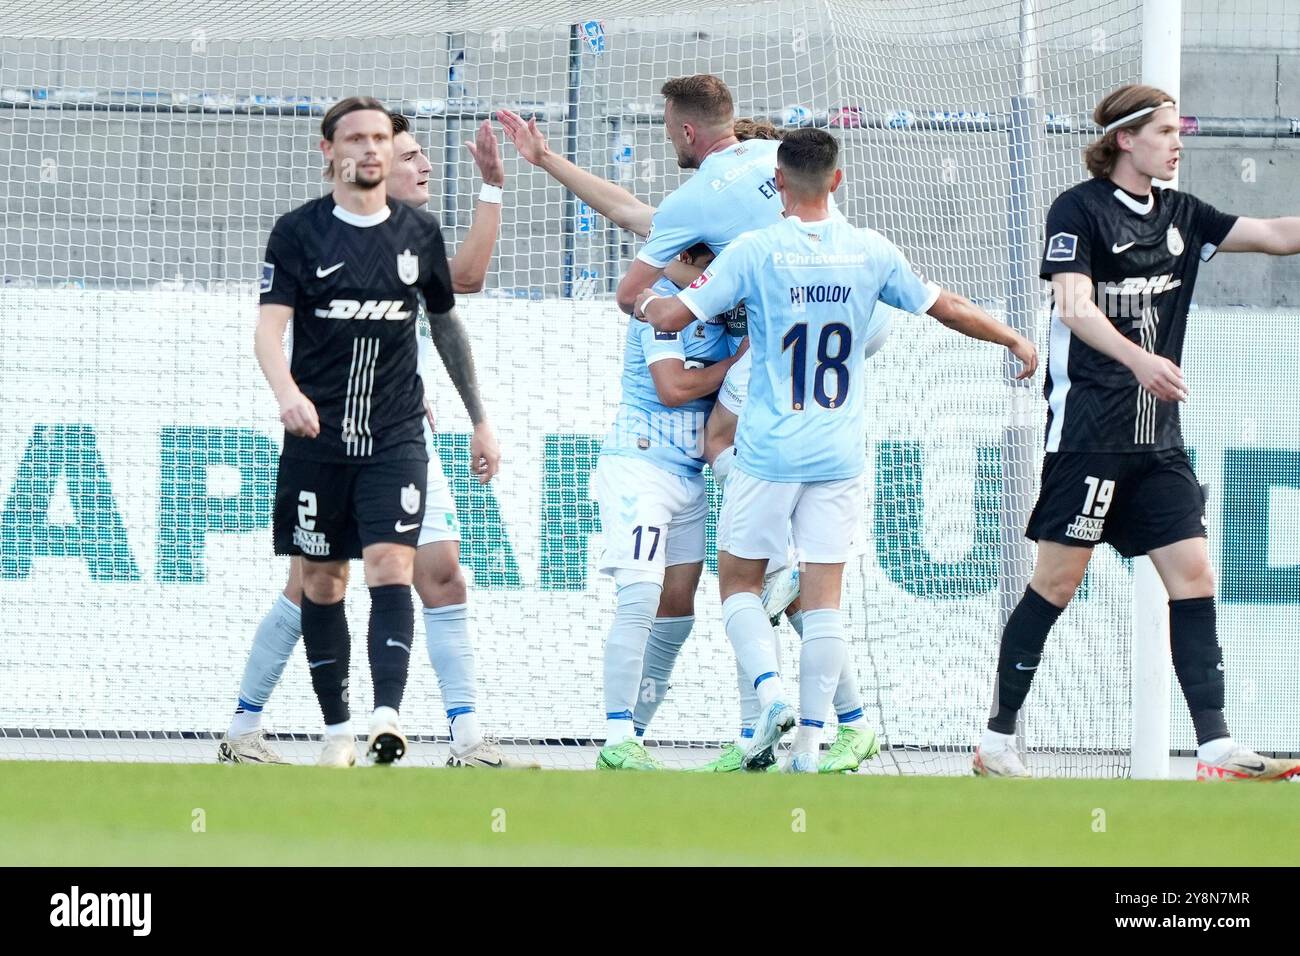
point(408, 267)
point(1174, 239)
point(1062, 247)
point(268, 277)
point(700, 280)
point(410, 499)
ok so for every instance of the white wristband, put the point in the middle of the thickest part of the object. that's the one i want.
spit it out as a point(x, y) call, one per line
point(491, 194)
point(640, 313)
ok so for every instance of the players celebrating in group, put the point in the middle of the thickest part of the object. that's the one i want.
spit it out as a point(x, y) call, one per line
point(748, 272)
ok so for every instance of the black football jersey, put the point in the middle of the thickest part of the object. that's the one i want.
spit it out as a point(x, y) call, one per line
point(1143, 257)
point(356, 284)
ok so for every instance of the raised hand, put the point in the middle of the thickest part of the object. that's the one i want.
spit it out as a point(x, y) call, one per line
point(487, 155)
point(528, 139)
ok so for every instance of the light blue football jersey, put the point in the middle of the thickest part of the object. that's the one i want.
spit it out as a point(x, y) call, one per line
point(646, 428)
point(733, 191)
point(810, 290)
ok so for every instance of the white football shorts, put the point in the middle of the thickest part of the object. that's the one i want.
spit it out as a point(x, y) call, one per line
point(760, 519)
point(650, 519)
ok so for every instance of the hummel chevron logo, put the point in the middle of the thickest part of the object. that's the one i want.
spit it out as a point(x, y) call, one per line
point(322, 273)
point(403, 528)
point(1022, 667)
point(1117, 248)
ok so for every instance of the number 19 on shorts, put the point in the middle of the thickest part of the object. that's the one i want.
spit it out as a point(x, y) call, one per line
point(1100, 492)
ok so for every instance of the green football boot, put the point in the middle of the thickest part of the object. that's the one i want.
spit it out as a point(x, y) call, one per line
point(627, 755)
point(727, 762)
point(850, 749)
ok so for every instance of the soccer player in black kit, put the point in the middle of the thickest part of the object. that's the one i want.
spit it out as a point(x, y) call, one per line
point(349, 269)
point(1122, 258)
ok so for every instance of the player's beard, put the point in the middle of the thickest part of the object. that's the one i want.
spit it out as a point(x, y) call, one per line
point(361, 182)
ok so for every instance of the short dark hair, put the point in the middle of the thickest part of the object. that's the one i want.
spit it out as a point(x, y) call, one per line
point(808, 155)
point(349, 104)
point(699, 249)
point(702, 96)
point(400, 123)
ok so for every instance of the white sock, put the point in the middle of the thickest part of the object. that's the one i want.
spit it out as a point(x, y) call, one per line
point(746, 735)
point(1215, 750)
point(384, 714)
point(619, 729)
point(722, 464)
point(821, 662)
point(807, 739)
point(245, 721)
point(339, 730)
point(751, 638)
point(465, 731)
point(993, 742)
point(625, 655)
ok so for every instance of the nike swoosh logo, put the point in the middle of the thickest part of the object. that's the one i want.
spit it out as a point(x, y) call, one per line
point(313, 666)
point(403, 528)
point(1022, 667)
point(1117, 248)
point(1252, 768)
point(392, 643)
point(322, 273)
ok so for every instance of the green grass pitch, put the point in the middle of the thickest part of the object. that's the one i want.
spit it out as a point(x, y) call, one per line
point(76, 814)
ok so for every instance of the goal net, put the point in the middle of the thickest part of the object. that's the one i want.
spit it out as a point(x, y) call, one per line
point(148, 148)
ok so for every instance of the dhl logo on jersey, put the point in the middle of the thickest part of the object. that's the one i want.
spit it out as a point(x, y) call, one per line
point(394, 309)
point(1142, 285)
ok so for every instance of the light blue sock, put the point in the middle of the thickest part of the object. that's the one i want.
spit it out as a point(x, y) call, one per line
point(625, 655)
point(667, 635)
point(273, 645)
point(821, 661)
point(446, 635)
point(752, 639)
point(749, 709)
point(848, 699)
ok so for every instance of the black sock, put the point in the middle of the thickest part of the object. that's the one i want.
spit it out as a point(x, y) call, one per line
point(1198, 662)
point(1019, 654)
point(392, 627)
point(325, 636)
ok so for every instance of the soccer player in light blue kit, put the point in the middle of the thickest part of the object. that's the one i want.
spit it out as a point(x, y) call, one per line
point(810, 284)
point(649, 485)
point(733, 191)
